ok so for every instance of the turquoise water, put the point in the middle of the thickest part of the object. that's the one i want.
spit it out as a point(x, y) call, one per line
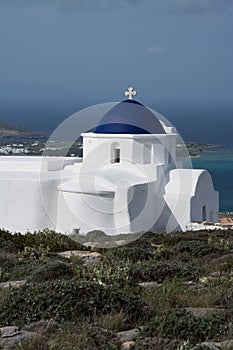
point(220, 165)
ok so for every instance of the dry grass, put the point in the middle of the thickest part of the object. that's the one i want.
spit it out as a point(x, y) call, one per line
point(175, 294)
point(70, 337)
point(113, 322)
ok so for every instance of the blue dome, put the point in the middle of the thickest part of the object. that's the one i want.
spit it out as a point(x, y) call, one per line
point(129, 117)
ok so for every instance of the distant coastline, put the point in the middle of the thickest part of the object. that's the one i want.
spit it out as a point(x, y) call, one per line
point(19, 140)
point(9, 132)
point(195, 149)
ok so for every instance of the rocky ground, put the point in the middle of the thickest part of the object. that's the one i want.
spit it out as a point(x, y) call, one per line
point(163, 291)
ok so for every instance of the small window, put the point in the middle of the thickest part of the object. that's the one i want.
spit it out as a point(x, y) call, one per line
point(116, 153)
point(211, 216)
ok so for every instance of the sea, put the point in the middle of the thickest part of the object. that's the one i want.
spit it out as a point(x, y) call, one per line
point(219, 163)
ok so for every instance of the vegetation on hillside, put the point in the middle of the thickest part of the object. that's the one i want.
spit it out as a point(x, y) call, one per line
point(177, 289)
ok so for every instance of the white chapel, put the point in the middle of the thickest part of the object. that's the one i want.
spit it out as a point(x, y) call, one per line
point(130, 179)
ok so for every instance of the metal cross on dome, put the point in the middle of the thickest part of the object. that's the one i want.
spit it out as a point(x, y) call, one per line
point(130, 93)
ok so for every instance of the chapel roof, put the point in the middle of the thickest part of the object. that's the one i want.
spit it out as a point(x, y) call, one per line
point(129, 117)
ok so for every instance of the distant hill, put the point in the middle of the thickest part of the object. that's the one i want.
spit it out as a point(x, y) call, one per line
point(8, 131)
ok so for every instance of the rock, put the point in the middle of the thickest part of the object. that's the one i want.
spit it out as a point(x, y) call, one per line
point(106, 244)
point(216, 274)
point(128, 345)
point(92, 244)
point(227, 344)
point(194, 285)
point(149, 284)
point(120, 242)
point(157, 246)
point(202, 311)
point(9, 331)
point(88, 258)
point(11, 337)
point(207, 279)
point(127, 336)
point(13, 284)
point(208, 345)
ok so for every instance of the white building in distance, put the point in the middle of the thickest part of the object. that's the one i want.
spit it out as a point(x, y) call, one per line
point(129, 180)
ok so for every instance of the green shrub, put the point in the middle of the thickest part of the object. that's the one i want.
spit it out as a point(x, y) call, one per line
point(7, 260)
point(47, 239)
point(118, 275)
point(52, 270)
point(3, 275)
point(18, 269)
point(7, 246)
point(146, 272)
point(67, 301)
point(183, 325)
point(171, 239)
point(198, 248)
point(34, 252)
point(129, 254)
point(5, 234)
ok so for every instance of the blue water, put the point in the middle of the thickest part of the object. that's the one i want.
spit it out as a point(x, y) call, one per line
point(220, 165)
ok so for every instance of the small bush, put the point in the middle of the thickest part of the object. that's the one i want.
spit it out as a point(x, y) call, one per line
point(129, 254)
point(183, 325)
point(7, 246)
point(3, 275)
point(52, 270)
point(7, 260)
point(163, 270)
point(34, 252)
point(47, 239)
point(171, 239)
point(67, 301)
point(198, 249)
point(17, 269)
point(118, 275)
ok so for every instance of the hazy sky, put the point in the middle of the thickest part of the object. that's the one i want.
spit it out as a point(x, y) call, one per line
point(58, 54)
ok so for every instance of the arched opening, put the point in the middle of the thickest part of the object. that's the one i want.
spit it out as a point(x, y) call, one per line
point(211, 216)
point(204, 218)
point(115, 153)
point(147, 153)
